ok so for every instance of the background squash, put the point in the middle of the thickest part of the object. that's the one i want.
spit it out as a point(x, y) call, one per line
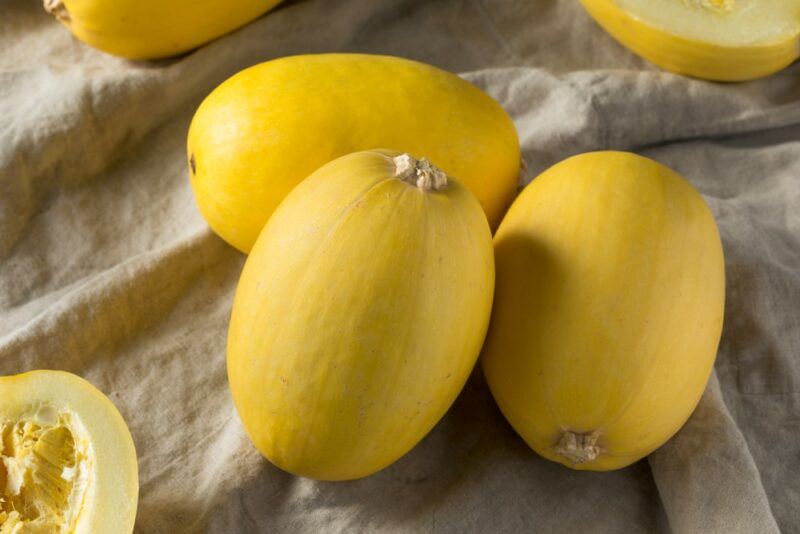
point(359, 315)
point(265, 129)
point(152, 29)
point(725, 40)
point(608, 309)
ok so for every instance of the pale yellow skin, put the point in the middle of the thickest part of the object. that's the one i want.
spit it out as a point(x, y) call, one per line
point(265, 129)
point(152, 29)
point(109, 506)
point(608, 307)
point(701, 57)
point(358, 318)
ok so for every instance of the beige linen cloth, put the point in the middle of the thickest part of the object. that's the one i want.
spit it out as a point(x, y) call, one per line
point(107, 270)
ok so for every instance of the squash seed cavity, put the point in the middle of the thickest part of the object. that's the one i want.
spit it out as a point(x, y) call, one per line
point(45, 462)
point(719, 6)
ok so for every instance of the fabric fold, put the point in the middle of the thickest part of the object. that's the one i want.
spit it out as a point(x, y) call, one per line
point(108, 270)
point(707, 479)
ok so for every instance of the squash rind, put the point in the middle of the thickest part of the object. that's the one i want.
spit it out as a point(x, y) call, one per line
point(358, 317)
point(268, 127)
point(608, 309)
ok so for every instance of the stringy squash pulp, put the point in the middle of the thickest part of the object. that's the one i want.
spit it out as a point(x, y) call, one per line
point(608, 309)
point(359, 314)
point(67, 461)
point(726, 40)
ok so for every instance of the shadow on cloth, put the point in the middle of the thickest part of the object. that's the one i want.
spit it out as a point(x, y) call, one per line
point(434, 486)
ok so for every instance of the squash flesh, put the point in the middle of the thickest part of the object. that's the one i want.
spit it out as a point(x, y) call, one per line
point(608, 308)
point(67, 461)
point(358, 317)
point(723, 40)
point(724, 22)
point(44, 471)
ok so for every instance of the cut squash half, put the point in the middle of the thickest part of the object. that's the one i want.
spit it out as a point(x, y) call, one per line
point(723, 40)
point(67, 460)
